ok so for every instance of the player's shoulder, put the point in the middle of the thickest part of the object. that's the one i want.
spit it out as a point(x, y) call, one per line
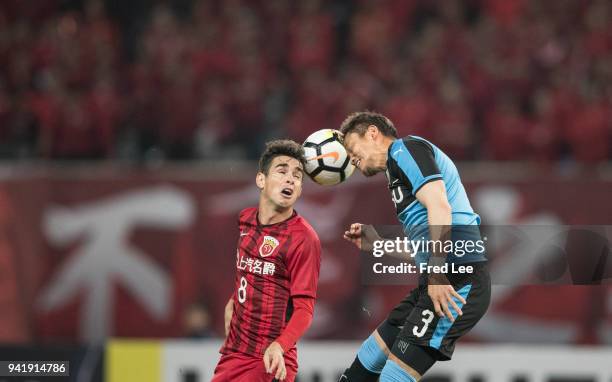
point(302, 227)
point(416, 141)
point(247, 215)
point(410, 145)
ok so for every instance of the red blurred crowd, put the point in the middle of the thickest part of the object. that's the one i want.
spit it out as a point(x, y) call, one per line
point(483, 79)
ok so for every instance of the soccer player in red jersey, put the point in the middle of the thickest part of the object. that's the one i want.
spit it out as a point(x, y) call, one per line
point(277, 261)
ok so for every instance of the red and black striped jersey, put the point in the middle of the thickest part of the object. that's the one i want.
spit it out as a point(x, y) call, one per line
point(273, 264)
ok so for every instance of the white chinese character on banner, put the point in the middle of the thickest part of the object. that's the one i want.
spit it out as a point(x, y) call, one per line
point(105, 255)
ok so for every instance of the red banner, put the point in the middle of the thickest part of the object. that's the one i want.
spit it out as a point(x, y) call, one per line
point(90, 255)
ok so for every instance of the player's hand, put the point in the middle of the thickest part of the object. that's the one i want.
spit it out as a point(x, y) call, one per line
point(362, 235)
point(442, 297)
point(274, 361)
point(353, 234)
point(229, 311)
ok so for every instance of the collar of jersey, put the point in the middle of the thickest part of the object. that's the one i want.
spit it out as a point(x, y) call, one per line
point(293, 215)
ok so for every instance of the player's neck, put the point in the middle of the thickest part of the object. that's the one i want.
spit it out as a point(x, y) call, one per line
point(386, 143)
point(269, 215)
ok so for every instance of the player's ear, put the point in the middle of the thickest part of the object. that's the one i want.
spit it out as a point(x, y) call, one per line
point(372, 131)
point(260, 180)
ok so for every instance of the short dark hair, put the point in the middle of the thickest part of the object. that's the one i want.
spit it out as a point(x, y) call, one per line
point(279, 147)
point(358, 123)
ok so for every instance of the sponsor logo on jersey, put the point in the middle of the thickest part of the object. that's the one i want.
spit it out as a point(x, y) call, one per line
point(268, 246)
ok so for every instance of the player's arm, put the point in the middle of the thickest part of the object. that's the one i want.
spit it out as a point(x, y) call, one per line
point(301, 318)
point(363, 237)
point(433, 196)
point(303, 309)
point(229, 311)
point(416, 161)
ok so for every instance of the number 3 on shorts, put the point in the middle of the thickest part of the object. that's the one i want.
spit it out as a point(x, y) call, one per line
point(242, 292)
point(428, 316)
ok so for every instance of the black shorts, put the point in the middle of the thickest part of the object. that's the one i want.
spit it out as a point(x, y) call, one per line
point(420, 325)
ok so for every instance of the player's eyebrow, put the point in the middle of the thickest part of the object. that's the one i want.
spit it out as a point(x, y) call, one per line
point(347, 147)
point(286, 165)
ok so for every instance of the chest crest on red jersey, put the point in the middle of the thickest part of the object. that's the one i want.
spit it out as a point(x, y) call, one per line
point(268, 246)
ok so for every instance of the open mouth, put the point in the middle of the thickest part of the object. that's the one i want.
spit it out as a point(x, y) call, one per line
point(287, 192)
point(358, 163)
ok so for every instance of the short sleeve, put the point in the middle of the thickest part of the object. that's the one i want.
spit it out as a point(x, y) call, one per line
point(304, 263)
point(417, 161)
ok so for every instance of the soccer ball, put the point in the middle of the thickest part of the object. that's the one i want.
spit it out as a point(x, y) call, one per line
point(327, 162)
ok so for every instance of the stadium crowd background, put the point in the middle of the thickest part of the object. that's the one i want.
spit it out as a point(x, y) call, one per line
point(140, 80)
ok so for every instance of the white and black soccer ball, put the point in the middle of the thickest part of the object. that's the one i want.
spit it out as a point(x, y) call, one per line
point(327, 161)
